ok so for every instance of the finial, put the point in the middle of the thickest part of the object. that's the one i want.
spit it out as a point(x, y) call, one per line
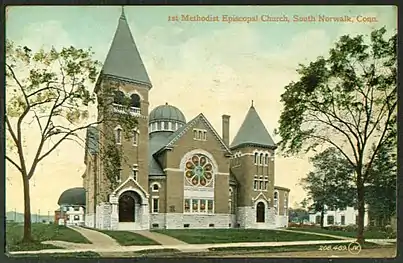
point(252, 103)
point(166, 103)
point(122, 16)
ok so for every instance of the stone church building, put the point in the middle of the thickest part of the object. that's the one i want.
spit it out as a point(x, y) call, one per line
point(179, 173)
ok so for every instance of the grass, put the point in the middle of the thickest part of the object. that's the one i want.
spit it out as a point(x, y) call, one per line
point(367, 234)
point(214, 236)
point(59, 255)
point(126, 238)
point(40, 232)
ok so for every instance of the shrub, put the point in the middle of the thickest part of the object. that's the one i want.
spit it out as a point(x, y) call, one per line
point(335, 228)
point(350, 228)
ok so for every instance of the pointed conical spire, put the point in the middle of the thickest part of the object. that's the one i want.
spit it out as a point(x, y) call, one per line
point(252, 131)
point(122, 15)
point(123, 60)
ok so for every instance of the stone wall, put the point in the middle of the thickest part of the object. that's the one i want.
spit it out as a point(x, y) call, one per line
point(246, 217)
point(103, 216)
point(180, 221)
point(89, 220)
point(281, 221)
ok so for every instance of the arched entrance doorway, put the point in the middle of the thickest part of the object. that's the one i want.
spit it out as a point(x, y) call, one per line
point(260, 212)
point(129, 204)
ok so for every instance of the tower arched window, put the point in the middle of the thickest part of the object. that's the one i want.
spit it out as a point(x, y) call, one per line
point(135, 100)
point(261, 159)
point(135, 137)
point(256, 158)
point(119, 97)
point(266, 158)
point(118, 135)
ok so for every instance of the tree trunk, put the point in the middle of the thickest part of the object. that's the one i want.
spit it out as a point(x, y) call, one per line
point(27, 211)
point(361, 212)
point(322, 217)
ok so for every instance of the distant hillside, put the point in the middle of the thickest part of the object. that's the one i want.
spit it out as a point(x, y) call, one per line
point(19, 217)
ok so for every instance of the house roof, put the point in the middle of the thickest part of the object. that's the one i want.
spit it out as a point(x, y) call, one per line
point(72, 196)
point(157, 140)
point(179, 133)
point(252, 132)
point(123, 60)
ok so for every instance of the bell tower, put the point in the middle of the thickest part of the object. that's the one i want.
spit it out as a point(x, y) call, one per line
point(253, 166)
point(124, 78)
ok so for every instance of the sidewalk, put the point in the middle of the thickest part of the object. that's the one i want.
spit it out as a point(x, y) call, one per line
point(96, 238)
point(315, 234)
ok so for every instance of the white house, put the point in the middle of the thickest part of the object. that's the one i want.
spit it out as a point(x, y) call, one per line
point(338, 217)
point(72, 207)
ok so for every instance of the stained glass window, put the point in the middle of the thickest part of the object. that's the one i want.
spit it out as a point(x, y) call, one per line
point(199, 170)
point(203, 206)
point(187, 205)
point(195, 205)
point(210, 206)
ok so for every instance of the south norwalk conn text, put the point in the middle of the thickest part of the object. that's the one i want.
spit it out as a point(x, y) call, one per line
point(229, 18)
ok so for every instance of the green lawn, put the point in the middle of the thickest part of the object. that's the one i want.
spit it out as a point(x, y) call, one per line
point(40, 232)
point(59, 255)
point(126, 238)
point(205, 236)
point(367, 234)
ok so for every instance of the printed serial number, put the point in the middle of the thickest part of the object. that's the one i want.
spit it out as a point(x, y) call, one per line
point(333, 248)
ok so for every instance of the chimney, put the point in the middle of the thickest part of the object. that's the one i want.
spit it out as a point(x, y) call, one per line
point(225, 129)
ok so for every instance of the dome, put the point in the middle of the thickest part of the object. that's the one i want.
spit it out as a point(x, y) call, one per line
point(72, 196)
point(167, 113)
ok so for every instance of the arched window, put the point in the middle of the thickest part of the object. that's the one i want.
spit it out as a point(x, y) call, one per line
point(261, 159)
point(135, 100)
point(266, 159)
point(119, 97)
point(166, 125)
point(260, 213)
point(256, 158)
point(155, 187)
point(135, 137)
point(118, 135)
point(275, 199)
point(158, 126)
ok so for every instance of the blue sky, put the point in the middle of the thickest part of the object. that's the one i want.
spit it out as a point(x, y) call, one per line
point(215, 68)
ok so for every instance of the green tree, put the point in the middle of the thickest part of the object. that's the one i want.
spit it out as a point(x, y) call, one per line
point(298, 215)
point(347, 101)
point(48, 93)
point(329, 185)
point(381, 190)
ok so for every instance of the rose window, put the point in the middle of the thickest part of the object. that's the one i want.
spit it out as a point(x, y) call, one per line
point(199, 170)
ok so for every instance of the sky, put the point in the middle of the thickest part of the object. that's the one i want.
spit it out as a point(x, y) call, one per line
point(211, 67)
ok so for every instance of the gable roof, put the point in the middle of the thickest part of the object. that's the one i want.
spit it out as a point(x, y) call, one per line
point(182, 130)
point(123, 60)
point(252, 132)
